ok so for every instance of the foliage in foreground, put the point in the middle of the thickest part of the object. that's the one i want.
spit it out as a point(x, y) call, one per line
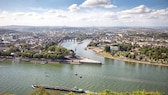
point(6, 94)
point(107, 92)
point(42, 91)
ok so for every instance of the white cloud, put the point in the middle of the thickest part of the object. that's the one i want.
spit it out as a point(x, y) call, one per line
point(2, 17)
point(4, 12)
point(125, 16)
point(74, 8)
point(110, 6)
point(94, 3)
point(98, 3)
point(162, 12)
point(31, 14)
point(18, 13)
point(38, 9)
point(53, 11)
point(61, 16)
point(138, 10)
point(111, 15)
point(138, 16)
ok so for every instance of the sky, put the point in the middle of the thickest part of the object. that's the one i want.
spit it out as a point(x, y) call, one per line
point(84, 13)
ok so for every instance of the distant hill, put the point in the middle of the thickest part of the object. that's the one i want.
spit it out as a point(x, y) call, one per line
point(20, 28)
point(3, 31)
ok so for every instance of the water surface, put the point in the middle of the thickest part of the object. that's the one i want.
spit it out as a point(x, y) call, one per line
point(114, 75)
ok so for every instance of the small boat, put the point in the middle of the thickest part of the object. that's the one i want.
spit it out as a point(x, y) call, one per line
point(76, 74)
point(78, 90)
point(33, 86)
point(80, 77)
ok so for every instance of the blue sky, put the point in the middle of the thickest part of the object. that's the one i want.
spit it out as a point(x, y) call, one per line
point(84, 12)
point(17, 5)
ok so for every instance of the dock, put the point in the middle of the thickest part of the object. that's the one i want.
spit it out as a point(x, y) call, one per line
point(59, 88)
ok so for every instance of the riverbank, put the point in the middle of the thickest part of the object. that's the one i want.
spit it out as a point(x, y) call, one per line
point(100, 51)
point(74, 60)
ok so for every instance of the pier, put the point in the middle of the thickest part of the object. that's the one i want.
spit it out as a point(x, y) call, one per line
point(59, 88)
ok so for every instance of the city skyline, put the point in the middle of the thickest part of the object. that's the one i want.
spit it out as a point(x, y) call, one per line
point(84, 12)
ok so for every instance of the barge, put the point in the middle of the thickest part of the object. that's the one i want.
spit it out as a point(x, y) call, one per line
point(77, 90)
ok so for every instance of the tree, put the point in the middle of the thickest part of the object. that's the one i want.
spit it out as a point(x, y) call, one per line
point(154, 52)
point(6, 94)
point(13, 49)
point(40, 91)
point(125, 47)
point(28, 54)
point(93, 44)
point(107, 48)
point(71, 93)
point(108, 92)
point(5, 53)
point(125, 54)
point(36, 55)
point(24, 46)
point(133, 56)
point(51, 48)
point(113, 52)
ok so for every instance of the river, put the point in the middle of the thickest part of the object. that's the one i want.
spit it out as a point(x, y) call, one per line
point(114, 75)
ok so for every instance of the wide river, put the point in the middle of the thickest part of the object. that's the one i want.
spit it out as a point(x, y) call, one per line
point(114, 75)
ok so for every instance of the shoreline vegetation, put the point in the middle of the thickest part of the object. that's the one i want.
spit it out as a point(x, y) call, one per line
point(101, 52)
